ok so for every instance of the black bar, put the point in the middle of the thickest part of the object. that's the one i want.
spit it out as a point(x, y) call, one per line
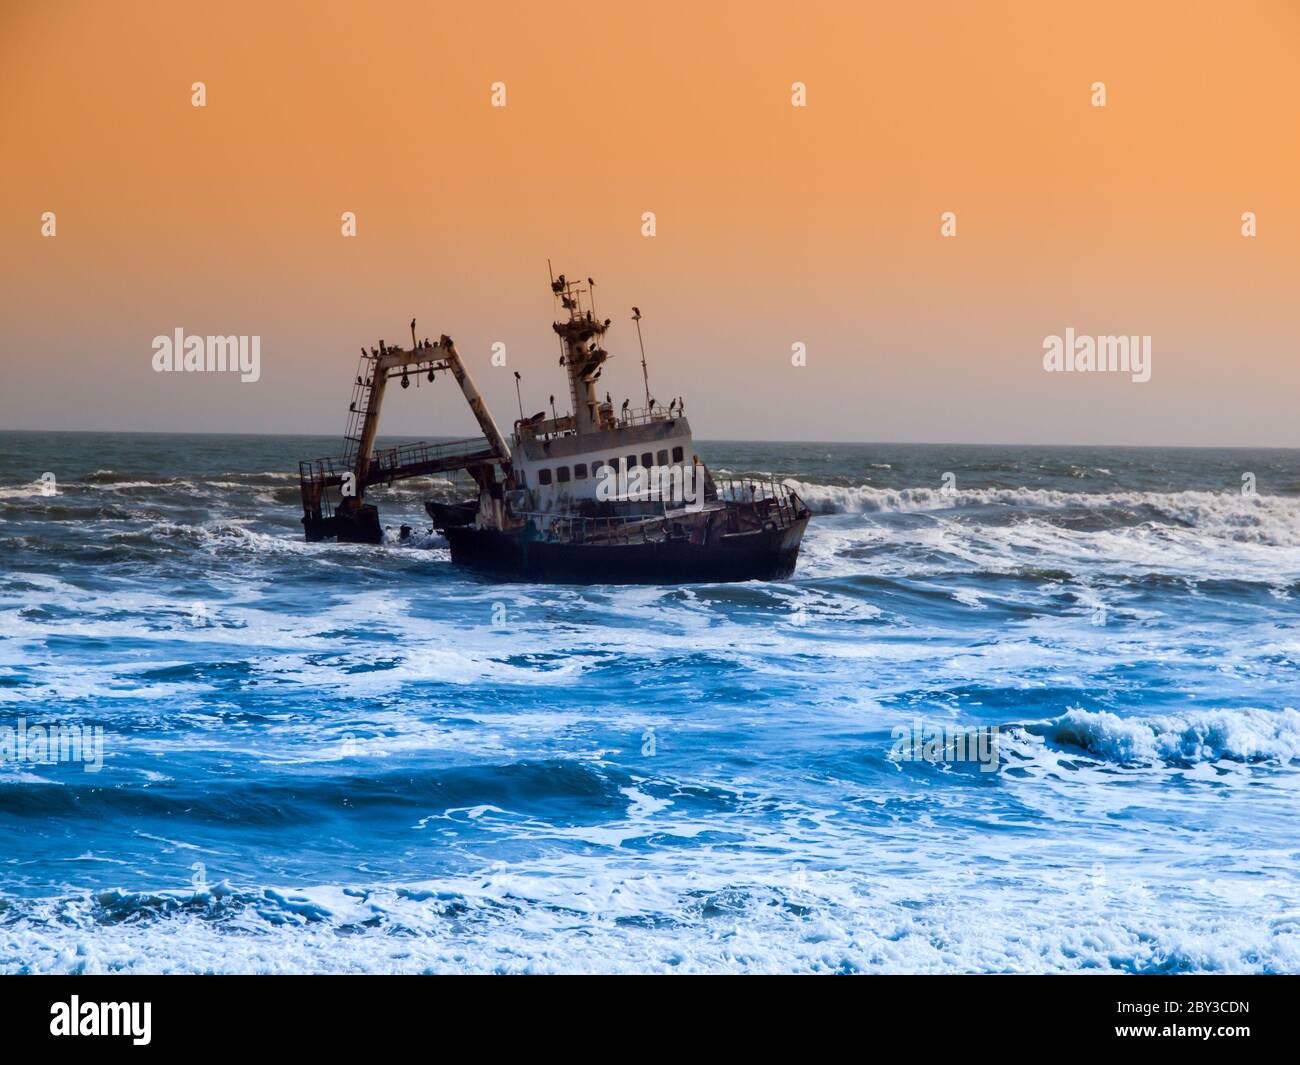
point(1040, 1015)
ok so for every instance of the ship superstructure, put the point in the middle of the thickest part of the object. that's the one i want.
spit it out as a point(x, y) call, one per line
point(558, 460)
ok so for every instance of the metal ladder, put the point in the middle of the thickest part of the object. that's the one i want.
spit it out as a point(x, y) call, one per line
point(361, 389)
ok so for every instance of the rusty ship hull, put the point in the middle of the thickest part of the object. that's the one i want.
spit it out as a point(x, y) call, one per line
point(766, 554)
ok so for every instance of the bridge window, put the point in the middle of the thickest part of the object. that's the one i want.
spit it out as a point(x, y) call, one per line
point(579, 471)
point(521, 478)
point(662, 458)
point(562, 474)
point(543, 476)
point(647, 458)
point(677, 454)
point(631, 461)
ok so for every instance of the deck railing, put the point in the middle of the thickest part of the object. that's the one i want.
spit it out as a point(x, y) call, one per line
point(318, 476)
point(642, 415)
point(778, 501)
point(565, 426)
point(754, 504)
point(393, 462)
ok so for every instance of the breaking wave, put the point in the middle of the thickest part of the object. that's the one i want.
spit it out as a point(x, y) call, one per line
point(1246, 735)
point(1273, 520)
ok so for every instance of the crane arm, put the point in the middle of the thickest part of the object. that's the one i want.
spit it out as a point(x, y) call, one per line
point(442, 356)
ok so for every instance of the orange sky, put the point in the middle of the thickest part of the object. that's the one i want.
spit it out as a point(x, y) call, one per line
point(775, 224)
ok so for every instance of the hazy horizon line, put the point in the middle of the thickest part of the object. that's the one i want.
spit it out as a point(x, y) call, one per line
point(703, 440)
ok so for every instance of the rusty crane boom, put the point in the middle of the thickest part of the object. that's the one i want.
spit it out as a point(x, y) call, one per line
point(334, 489)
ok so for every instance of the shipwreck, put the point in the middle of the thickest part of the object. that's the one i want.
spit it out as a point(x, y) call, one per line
point(597, 495)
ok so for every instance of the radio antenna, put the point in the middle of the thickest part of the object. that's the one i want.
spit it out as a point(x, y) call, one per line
point(636, 317)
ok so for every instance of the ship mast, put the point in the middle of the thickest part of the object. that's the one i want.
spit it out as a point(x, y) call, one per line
point(581, 335)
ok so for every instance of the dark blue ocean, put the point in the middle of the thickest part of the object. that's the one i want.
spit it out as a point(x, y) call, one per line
point(349, 758)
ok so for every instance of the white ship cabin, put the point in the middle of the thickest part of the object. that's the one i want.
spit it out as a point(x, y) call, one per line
point(557, 462)
point(557, 468)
